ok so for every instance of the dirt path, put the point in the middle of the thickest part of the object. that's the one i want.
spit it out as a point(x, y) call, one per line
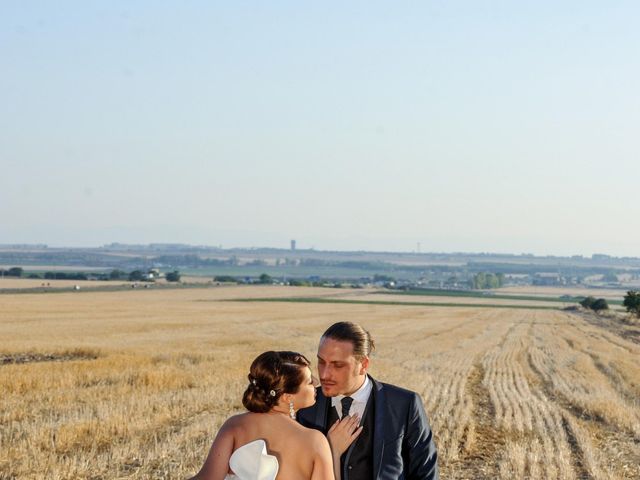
point(481, 453)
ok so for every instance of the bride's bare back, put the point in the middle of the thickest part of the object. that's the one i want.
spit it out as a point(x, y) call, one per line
point(302, 453)
point(299, 450)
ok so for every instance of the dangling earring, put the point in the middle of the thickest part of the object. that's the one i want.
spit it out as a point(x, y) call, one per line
point(292, 412)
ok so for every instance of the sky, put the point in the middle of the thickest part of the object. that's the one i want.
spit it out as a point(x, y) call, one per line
point(496, 126)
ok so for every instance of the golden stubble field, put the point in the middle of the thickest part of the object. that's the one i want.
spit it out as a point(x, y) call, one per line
point(143, 379)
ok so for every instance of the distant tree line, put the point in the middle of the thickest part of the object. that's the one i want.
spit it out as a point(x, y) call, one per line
point(264, 279)
point(19, 272)
point(133, 276)
point(11, 272)
point(225, 279)
point(65, 276)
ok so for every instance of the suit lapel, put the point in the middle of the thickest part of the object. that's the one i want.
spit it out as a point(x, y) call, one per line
point(321, 411)
point(378, 426)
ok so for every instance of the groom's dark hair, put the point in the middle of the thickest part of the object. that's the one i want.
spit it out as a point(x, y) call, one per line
point(361, 339)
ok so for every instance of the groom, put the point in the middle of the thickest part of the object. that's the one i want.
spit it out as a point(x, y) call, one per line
point(396, 441)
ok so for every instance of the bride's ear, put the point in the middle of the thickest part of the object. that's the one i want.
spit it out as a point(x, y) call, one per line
point(286, 397)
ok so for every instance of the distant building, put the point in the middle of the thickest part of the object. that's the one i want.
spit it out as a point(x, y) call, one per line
point(152, 274)
point(293, 245)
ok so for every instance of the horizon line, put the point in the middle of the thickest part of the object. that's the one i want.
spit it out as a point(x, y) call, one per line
point(25, 246)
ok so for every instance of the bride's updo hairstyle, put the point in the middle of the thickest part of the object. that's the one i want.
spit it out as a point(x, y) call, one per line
point(272, 374)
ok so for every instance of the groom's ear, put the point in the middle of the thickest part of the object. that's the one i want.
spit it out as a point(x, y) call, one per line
point(364, 365)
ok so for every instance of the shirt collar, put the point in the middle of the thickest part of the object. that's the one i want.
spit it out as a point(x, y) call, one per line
point(361, 395)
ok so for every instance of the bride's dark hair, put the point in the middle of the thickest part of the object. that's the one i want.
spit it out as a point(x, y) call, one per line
point(272, 374)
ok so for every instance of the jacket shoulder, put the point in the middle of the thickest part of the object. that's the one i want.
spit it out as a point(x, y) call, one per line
point(394, 391)
point(388, 387)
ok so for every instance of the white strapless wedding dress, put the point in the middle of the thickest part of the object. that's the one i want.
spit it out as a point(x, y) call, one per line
point(252, 462)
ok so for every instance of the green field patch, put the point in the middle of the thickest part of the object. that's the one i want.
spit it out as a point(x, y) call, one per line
point(433, 292)
point(391, 303)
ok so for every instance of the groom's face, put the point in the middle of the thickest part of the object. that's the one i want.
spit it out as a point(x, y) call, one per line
point(340, 371)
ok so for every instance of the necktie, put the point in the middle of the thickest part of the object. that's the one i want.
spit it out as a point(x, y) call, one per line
point(346, 405)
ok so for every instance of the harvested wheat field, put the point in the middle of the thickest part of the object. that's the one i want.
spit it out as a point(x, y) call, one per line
point(134, 384)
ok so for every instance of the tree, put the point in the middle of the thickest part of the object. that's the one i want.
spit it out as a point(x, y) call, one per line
point(117, 275)
point(491, 281)
point(265, 279)
point(600, 304)
point(595, 304)
point(173, 276)
point(136, 276)
point(587, 302)
point(479, 280)
point(632, 302)
point(14, 272)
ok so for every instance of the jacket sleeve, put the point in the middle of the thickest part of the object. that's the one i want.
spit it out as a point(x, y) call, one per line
point(420, 452)
point(305, 418)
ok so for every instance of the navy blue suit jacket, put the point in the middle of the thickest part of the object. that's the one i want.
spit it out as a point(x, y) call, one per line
point(403, 446)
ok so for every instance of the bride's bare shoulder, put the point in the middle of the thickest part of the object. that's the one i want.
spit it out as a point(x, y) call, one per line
point(312, 437)
point(235, 422)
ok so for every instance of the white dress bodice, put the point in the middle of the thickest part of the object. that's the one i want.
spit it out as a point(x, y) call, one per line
point(252, 462)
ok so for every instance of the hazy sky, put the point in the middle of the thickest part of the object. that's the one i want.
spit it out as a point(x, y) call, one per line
point(497, 126)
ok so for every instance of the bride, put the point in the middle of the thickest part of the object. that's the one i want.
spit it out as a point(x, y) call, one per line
point(266, 442)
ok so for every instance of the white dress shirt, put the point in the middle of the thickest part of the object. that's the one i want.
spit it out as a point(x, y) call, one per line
point(360, 399)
